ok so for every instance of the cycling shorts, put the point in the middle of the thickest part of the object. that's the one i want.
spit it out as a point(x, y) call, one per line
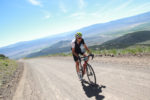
point(75, 57)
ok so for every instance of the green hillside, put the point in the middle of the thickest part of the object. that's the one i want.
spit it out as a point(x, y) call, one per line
point(7, 69)
point(130, 39)
point(60, 47)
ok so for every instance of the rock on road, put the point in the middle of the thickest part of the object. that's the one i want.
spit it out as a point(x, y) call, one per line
point(56, 79)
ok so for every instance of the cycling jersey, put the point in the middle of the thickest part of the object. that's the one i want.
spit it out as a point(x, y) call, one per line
point(75, 45)
point(77, 48)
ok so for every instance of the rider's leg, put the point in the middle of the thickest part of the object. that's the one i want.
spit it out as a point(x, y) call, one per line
point(77, 66)
point(77, 62)
point(85, 64)
point(79, 74)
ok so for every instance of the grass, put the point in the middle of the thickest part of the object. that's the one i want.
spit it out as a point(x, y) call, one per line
point(7, 68)
point(129, 50)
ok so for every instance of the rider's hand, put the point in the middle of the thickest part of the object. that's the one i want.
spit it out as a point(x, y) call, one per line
point(92, 55)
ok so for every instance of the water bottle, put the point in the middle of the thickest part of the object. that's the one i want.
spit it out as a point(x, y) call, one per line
point(85, 58)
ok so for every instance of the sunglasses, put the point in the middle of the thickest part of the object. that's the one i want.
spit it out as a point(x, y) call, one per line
point(80, 38)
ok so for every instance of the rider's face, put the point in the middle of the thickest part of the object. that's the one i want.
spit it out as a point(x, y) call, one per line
point(79, 39)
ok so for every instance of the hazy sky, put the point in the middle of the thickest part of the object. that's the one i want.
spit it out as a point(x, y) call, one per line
point(22, 20)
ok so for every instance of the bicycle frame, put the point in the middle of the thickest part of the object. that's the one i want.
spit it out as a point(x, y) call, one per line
point(89, 70)
point(82, 59)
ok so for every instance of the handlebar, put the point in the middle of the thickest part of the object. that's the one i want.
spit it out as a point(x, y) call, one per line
point(92, 55)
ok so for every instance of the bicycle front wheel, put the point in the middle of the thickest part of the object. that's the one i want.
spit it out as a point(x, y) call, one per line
point(91, 74)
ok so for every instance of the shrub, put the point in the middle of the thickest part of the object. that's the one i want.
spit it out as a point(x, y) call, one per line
point(2, 56)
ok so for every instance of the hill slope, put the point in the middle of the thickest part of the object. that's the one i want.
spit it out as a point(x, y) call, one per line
point(62, 46)
point(130, 39)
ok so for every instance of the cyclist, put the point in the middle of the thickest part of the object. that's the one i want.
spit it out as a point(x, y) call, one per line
point(76, 50)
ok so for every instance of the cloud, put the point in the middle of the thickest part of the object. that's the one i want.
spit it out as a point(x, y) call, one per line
point(124, 5)
point(143, 8)
point(62, 7)
point(79, 15)
point(35, 2)
point(47, 14)
point(95, 14)
point(104, 7)
point(81, 4)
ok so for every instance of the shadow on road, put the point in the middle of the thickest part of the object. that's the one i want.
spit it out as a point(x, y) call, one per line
point(93, 90)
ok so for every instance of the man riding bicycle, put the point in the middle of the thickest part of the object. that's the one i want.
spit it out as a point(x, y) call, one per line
point(76, 50)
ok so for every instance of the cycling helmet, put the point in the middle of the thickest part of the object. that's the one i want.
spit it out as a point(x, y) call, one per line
point(78, 34)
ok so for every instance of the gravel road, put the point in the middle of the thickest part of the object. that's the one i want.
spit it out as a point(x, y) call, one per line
point(55, 78)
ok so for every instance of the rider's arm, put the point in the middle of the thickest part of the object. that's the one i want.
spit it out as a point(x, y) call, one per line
point(87, 48)
point(74, 53)
point(73, 48)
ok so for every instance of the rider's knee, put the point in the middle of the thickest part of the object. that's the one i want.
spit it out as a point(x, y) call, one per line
point(77, 63)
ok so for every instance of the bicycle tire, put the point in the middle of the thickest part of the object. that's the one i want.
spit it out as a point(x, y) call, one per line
point(90, 70)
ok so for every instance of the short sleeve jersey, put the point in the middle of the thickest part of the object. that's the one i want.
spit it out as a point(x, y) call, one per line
point(77, 46)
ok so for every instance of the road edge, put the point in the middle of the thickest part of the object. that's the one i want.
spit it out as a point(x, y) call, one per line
point(8, 90)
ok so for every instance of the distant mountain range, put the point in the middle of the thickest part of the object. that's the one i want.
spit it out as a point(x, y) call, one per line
point(62, 46)
point(94, 35)
point(130, 39)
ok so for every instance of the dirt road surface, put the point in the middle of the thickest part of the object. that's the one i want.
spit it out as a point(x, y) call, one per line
point(56, 79)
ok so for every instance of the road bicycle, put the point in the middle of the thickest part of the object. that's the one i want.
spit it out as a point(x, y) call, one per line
point(89, 70)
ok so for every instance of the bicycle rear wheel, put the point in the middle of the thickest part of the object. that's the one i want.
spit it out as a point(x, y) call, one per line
point(91, 74)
